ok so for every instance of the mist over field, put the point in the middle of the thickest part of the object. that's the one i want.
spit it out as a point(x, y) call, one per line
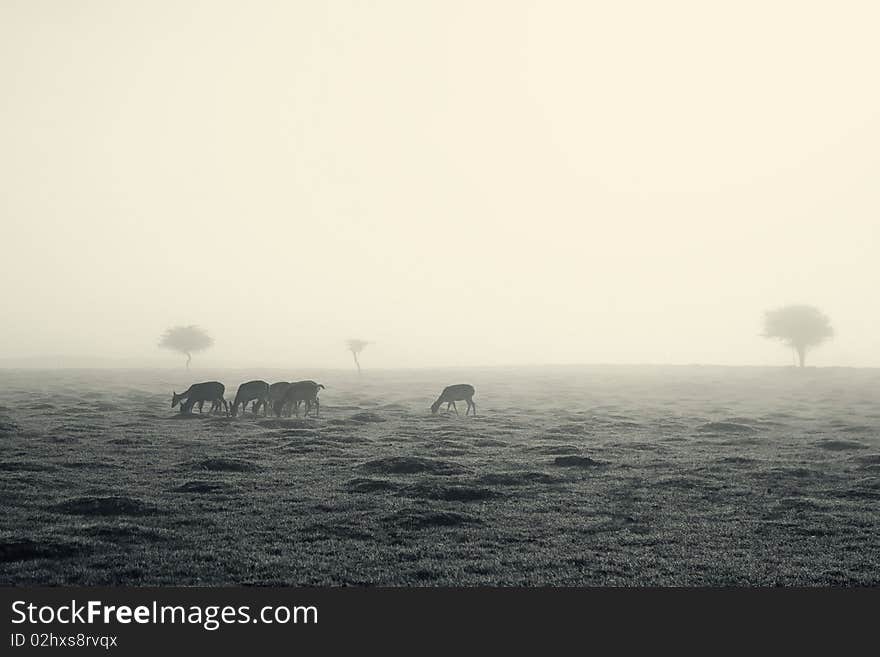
point(464, 184)
point(616, 227)
point(611, 475)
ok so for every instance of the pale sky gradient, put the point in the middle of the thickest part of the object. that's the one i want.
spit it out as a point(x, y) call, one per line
point(465, 183)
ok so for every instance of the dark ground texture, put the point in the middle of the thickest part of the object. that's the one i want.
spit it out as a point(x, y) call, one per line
point(569, 476)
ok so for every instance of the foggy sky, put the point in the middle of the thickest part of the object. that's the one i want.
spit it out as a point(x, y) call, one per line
point(464, 183)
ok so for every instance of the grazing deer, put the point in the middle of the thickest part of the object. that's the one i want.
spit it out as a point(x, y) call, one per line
point(252, 391)
point(199, 393)
point(298, 392)
point(452, 394)
point(276, 394)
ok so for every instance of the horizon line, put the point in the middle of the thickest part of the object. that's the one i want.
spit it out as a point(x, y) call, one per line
point(4, 367)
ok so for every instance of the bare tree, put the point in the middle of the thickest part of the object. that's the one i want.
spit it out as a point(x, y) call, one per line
point(800, 327)
point(186, 340)
point(356, 347)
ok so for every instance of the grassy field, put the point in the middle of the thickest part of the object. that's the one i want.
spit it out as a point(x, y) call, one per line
point(568, 476)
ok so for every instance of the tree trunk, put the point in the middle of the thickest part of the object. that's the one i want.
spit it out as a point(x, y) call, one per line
point(801, 352)
point(188, 358)
point(356, 361)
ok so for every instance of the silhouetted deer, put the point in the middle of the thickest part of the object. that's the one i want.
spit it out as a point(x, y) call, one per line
point(255, 391)
point(199, 393)
point(298, 392)
point(276, 393)
point(452, 394)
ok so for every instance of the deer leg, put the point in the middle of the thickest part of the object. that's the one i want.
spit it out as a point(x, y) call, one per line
point(455, 408)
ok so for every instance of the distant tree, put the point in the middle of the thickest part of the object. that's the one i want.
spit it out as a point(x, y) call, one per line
point(356, 347)
point(800, 327)
point(186, 340)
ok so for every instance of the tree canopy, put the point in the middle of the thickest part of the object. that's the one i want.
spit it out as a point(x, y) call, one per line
point(355, 347)
point(798, 326)
point(186, 340)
